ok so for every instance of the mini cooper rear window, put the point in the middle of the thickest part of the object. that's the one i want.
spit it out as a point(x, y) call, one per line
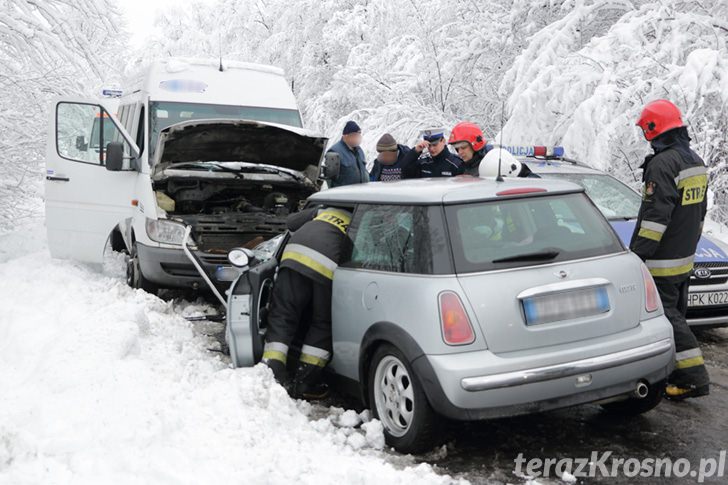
point(528, 231)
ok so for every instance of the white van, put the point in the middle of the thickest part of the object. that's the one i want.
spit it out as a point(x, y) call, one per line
point(218, 147)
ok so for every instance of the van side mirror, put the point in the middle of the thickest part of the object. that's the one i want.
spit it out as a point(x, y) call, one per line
point(81, 144)
point(331, 167)
point(114, 156)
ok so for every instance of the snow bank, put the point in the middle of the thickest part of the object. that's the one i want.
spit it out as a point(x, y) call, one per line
point(104, 384)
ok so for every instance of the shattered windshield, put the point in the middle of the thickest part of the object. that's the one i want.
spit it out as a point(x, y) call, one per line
point(613, 198)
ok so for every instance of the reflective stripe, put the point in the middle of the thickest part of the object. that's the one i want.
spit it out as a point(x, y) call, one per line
point(337, 218)
point(315, 356)
point(313, 360)
point(695, 180)
point(690, 172)
point(653, 226)
point(310, 258)
point(316, 352)
point(687, 354)
point(687, 363)
point(275, 351)
point(649, 234)
point(670, 267)
point(276, 346)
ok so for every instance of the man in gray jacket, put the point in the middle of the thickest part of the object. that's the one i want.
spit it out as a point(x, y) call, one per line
point(353, 164)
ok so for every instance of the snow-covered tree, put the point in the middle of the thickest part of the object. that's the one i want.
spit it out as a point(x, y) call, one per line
point(48, 48)
point(588, 95)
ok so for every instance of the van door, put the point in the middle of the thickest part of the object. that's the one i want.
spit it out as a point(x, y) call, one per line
point(83, 200)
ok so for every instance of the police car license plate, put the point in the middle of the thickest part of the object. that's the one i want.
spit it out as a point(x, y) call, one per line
point(708, 298)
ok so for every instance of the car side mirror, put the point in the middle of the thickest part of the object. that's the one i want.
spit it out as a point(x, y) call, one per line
point(81, 144)
point(114, 156)
point(332, 166)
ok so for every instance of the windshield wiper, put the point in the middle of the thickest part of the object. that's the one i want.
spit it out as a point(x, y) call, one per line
point(535, 256)
point(268, 170)
point(206, 166)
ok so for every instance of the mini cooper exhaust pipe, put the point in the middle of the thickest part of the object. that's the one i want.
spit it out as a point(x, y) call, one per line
point(641, 390)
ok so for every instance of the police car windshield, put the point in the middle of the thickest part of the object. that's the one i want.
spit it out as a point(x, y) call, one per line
point(612, 197)
point(164, 114)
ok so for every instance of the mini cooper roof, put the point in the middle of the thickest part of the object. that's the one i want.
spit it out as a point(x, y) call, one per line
point(450, 190)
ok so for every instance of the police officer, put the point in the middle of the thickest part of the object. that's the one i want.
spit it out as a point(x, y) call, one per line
point(668, 228)
point(437, 162)
point(305, 281)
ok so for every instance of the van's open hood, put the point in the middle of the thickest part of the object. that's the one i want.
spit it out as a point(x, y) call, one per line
point(222, 140)
point(708, 251)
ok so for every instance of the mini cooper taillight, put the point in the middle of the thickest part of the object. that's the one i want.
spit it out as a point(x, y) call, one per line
point(652, 297)
point(456, 327)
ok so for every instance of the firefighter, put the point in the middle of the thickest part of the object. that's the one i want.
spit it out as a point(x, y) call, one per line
point(469, 142)
point(668, 227)
point(305, 282)
point(437, 162)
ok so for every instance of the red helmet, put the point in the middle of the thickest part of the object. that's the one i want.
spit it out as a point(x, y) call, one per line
point(469, 132)
point(658, 117)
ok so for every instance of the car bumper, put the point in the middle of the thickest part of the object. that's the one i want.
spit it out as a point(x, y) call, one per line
point(719, 319)
point(480, 385)
point(171, 268)
point(709, 315)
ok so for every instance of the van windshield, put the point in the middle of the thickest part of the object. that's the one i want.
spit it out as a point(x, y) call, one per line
point(528, 231)
point(164, 114)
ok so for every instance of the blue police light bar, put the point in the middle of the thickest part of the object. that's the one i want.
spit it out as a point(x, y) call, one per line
point(532, 151)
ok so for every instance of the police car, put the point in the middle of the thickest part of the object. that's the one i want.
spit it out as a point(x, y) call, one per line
point(708, 298)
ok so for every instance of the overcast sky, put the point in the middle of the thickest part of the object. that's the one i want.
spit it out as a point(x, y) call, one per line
point(140, 15)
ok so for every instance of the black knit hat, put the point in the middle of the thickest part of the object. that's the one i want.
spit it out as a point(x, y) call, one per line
point(351, 127)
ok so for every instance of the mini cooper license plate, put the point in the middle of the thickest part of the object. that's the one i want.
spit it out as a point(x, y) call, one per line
point(566, 305)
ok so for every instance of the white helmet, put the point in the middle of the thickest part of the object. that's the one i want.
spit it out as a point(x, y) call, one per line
point(510, 167)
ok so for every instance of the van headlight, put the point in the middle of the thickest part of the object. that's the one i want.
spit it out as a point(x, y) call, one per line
point(165, 231)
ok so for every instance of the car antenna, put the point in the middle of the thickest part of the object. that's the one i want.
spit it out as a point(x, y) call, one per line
point(499, 178)
point(219, 46)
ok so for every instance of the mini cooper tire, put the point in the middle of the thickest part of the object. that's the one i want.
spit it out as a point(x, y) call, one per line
point(398, 400)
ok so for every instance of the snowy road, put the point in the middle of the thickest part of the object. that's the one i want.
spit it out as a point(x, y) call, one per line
point(104, 384)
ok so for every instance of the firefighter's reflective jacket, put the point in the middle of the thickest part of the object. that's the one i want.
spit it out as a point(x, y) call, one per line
point(318, 242)
point(674, 202)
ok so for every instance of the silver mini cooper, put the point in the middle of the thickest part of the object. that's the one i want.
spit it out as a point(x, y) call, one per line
point(470, 299)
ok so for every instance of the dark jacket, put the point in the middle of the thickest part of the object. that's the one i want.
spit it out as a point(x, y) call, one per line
point(445, 164)
point(353, 165)
point(318, 242)
point(674, 203)
point(472, 167)
point(386, 173)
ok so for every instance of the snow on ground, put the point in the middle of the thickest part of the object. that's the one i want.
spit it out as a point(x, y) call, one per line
point(104, 384)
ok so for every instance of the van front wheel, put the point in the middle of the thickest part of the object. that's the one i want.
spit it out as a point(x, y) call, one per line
point(399, 402)
point(134, 276)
